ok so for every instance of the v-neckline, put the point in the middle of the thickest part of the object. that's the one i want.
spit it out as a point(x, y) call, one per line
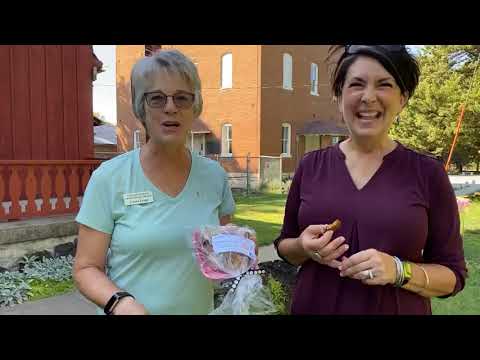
point(385, 159)
point(156, 188)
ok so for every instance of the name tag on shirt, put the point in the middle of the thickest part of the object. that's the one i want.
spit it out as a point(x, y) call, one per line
point(137, 198)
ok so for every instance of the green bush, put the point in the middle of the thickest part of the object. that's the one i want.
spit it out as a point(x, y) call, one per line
point(279, 295)
point(270, 187)
point(38, 279)
point(286, 186)
point(14, 288)
point(56, 269)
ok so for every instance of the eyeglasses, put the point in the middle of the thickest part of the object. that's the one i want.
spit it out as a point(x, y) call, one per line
point(352, 49)
point(157, 99)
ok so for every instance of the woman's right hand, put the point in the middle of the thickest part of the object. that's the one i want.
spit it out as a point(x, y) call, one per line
point(129, 306)
point(317, 243)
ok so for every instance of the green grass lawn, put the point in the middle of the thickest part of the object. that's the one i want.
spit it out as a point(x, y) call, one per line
point(44, 289)
point(263, 213)
point(466, 302)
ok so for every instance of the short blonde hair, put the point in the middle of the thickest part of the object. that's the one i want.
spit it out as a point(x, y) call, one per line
point(143, 73)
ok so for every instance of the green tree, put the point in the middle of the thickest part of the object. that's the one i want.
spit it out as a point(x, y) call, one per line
point(448, 79)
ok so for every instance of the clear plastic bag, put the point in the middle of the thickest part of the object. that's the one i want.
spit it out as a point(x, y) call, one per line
point(227, 252)
point(224, 252)
point(250, 297)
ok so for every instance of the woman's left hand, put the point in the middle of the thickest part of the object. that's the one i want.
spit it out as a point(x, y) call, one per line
point(371, 266)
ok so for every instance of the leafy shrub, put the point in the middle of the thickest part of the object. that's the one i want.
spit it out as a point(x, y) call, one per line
point(286, 186)
point(57, 269)
point(278, 294)
point(15, 286)
point(14, 289)
point(272, 186)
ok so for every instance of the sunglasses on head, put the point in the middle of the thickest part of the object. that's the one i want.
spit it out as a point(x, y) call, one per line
point(352, 49)
point(385, 49)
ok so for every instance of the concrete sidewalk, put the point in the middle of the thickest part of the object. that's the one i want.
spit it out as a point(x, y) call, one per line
point(69, 304)
point(76, 304)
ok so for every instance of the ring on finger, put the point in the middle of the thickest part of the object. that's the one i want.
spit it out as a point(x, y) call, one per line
point(317, 255)
point(370, 274)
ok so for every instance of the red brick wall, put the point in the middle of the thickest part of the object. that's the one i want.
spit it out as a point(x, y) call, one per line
point(238, 106)
point(256, 113)
point(127, 56)
point(294, 107)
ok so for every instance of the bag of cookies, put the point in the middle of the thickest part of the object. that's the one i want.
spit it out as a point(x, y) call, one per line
point(224, 252)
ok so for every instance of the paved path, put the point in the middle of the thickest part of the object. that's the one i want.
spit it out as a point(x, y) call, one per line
point(76, 304)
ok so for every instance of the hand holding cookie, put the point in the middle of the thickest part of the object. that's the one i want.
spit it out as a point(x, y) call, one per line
point(316, 240)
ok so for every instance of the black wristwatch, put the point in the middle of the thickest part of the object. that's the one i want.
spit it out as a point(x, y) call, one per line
point(108, 309)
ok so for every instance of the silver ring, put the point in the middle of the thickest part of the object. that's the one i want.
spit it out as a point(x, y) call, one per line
point(370, 274)
point(317, 254)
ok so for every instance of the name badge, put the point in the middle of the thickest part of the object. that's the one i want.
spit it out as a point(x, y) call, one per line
point(137, 198)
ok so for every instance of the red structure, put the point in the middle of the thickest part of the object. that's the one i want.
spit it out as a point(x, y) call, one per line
point(46, 128)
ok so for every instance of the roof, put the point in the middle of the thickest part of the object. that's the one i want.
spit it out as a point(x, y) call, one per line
point(104, 134)
point(323, 127)
point(199, 127)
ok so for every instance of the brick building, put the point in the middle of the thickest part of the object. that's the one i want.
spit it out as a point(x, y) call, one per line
point(262, 100)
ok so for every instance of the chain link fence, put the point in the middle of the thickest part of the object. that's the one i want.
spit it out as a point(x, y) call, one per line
point(252, 173)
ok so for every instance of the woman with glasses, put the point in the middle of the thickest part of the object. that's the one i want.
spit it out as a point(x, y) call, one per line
point(139, 209)
point(399, 243)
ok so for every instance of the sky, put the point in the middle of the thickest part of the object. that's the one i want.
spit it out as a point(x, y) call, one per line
point(104, 91)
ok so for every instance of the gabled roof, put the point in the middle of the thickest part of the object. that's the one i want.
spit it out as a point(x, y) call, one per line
point(199, 127)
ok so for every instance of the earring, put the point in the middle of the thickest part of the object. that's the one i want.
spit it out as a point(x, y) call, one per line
point(397, 119)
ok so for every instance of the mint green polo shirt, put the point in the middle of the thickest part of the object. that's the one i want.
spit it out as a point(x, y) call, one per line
point(150, 253)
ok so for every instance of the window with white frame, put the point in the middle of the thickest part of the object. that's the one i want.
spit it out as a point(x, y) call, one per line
point(227, 140)
point(227, 71)
point(286, 139)
point(287, 71)
point(314, 79)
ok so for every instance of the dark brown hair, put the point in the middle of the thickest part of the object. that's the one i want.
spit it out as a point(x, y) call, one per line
point(394, 58)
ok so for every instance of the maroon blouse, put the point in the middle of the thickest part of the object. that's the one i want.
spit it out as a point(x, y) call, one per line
point(407, 209)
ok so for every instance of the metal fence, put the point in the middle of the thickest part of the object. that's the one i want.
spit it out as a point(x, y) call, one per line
point(251, 173)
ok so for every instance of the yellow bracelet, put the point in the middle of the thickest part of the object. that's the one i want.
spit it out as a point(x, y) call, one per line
point(427, 282)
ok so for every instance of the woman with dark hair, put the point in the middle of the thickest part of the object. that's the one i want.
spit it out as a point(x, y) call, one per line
point(399, 243)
